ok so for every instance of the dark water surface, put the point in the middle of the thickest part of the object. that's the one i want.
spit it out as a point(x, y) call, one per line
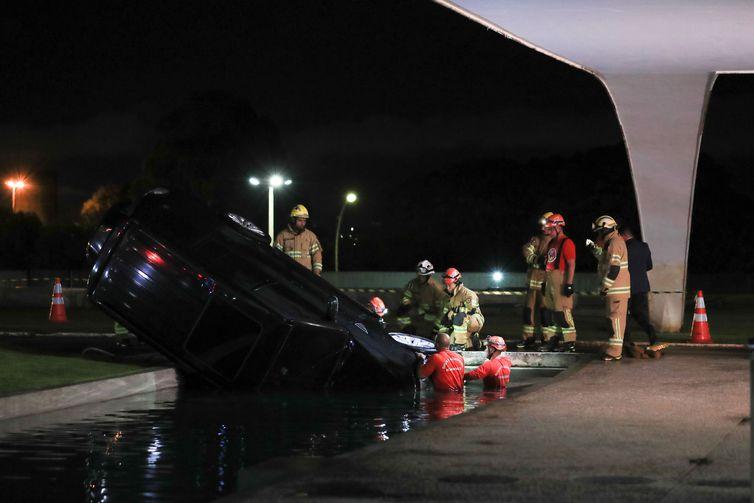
point(189, 445)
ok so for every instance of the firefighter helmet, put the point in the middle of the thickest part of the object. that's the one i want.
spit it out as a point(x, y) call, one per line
point(496, 342)
point(377, 306)
point(299, 211)
point(555, 220)
point(425, 268)
point(451, 276)
point(604, 224)
point(544, 217)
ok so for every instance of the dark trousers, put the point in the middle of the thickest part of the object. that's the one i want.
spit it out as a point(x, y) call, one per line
point(638, 311)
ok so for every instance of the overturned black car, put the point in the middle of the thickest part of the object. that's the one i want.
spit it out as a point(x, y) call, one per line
point(209, 292)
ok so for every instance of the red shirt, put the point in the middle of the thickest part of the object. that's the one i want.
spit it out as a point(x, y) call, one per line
point(567, 252)
point(496, 373)
point(445, 368)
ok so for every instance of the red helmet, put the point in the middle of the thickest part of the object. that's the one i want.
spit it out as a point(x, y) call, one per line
point(377, 306)
point(497, 342)
point(451, 276)
point(555, 220)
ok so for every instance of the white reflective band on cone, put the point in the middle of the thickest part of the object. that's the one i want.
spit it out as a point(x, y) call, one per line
point(700, 317)
point(700, 302)
point(57, 300)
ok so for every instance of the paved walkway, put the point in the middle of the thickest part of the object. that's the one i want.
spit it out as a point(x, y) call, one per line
point(675, 429)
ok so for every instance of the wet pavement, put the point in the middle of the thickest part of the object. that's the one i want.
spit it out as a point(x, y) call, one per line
point(674, 429)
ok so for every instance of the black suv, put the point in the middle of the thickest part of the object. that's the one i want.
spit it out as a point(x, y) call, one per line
point(207, 290)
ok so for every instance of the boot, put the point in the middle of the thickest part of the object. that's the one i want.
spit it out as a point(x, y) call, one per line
point(633, 351)
point(526, 344)
point(551, 345)
point(567, 347)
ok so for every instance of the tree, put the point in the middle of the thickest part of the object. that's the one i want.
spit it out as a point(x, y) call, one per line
point(208, 147)
point(102, 200)
point(18, 236)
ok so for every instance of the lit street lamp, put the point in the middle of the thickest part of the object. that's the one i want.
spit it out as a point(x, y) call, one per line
point(14, 186)
point(273, 182)
point(349, 199)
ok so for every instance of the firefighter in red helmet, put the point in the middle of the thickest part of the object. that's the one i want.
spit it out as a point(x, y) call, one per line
point(461, 315)
point(559, 264)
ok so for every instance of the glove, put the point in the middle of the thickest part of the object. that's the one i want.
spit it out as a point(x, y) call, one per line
point(459, 318)
point(544, 286)
point(603, 292)
point(542, 261)
point(421, 357)
point(568, 290)
point(590, 243)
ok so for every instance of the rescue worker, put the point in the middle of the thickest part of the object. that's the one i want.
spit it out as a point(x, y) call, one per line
point(615, 281)
point(533, 251)
point(496, 371)
point(559, 264)
point(444, 368)
point(377, 306)
point(422, 302)
point(300, 243)
point(461, 315)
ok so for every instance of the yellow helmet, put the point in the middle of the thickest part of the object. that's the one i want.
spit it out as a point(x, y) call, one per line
point(544, 217)
point(299, 211)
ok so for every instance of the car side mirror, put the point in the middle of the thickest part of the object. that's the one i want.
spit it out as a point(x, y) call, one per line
point(332, 307)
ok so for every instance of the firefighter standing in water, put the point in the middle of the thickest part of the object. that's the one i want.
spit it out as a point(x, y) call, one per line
point(299, 243)
point(496, 371)
point(422, 302)
point(461, 315)
point(444, 368)
point(560, 265)
point(612, 269)
point(533, 251)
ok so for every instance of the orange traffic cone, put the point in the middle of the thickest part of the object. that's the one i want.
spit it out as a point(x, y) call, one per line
point(700, 327)
point(57, 307)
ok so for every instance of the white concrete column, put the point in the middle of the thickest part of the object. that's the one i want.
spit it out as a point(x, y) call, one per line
point(662, 116)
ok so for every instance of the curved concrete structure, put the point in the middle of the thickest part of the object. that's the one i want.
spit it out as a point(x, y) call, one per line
point(658, 60)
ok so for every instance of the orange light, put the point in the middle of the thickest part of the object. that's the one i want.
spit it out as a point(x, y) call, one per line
point(15, 184)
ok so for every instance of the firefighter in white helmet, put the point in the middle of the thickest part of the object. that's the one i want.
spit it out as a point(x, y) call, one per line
point(462, 316)
point(422, 302)
point(615, 281)
point(299, 243)
point(534, 251)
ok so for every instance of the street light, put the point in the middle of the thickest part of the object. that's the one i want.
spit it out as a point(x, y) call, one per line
point(349, 199)
point(275, 181)
point(14, 186)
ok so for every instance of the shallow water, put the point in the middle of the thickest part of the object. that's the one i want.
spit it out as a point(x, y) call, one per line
point(189, 445)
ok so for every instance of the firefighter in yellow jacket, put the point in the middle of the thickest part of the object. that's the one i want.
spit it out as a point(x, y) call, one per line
point(534, 251)
point(422, 302)
point(300, 243)
point(612, 269)
point(461, 316)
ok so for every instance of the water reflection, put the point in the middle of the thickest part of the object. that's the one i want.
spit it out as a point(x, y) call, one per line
point(192, 446)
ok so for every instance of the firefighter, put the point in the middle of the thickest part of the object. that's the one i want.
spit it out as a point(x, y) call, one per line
point(559, 264)
point(299, 243)
point(615, 286)
point(533, 251)
point(496, 371)
point(422, 302)
point(444, 368)
point(461, 315)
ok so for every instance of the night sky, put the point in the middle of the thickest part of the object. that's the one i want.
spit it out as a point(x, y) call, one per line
point(365, 95)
